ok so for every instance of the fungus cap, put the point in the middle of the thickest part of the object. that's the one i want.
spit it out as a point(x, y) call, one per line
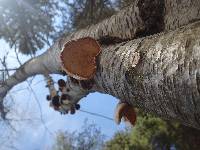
point(124, 110)
point(79, 58)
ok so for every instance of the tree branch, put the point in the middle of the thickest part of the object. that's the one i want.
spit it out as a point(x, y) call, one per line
point(136, 71)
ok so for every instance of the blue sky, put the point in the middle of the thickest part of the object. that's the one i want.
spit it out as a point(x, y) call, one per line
point(33, 135)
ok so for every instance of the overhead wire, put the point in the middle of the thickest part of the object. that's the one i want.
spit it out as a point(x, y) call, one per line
point(96, 114)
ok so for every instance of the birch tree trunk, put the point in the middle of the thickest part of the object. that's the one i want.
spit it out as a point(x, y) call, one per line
point(159, 74)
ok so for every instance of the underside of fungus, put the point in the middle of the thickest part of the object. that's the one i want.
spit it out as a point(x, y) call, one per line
point(125, 111)
point(79, 58)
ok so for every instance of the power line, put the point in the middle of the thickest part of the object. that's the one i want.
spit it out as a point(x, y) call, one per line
point(96, 114)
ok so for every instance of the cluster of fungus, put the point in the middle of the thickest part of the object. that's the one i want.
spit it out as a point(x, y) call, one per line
point(61, 102)
point(65, 100)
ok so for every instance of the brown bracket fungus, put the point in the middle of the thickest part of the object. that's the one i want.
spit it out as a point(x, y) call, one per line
point(79, 58)
point(124, 110)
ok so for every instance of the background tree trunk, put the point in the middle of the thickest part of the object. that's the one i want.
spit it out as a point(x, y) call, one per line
point(180, 12)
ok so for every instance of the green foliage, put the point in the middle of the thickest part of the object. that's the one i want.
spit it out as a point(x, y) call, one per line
point(90, 138)
point(144, 133)
point(30, 24)
point(149, 133)
point(87, 12)
point(152, 133)
point(120, 141)
point(27, 23)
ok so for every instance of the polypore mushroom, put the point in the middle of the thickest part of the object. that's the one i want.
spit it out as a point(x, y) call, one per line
point(79, 58)
point(127, 112)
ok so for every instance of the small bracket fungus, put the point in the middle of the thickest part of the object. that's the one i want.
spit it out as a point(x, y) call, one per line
point(79, 58)
point(127, 112)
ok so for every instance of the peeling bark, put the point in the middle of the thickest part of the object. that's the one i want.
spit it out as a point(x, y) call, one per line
point(159, 74)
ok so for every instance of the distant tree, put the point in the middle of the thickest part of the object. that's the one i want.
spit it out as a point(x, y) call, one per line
point(90, 138)
point(64, 141)
point(152, 133)
point(87, 12)
point(120, 141)
point(143, 136)
point(28, 24)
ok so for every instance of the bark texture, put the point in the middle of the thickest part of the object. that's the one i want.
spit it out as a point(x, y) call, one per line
point(159, 74)
point(180, 12)
point(141, 18)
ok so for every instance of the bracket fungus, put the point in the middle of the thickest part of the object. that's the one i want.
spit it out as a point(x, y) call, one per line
point(124, 110)
point(78, 58)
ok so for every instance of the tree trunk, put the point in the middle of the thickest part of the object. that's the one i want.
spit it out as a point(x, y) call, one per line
point(159, 74)
point(180, 12)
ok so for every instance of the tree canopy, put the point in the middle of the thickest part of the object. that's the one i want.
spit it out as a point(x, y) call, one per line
point(27, 24)
point(89, 138)
point(153, 133)
point(149, 133)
